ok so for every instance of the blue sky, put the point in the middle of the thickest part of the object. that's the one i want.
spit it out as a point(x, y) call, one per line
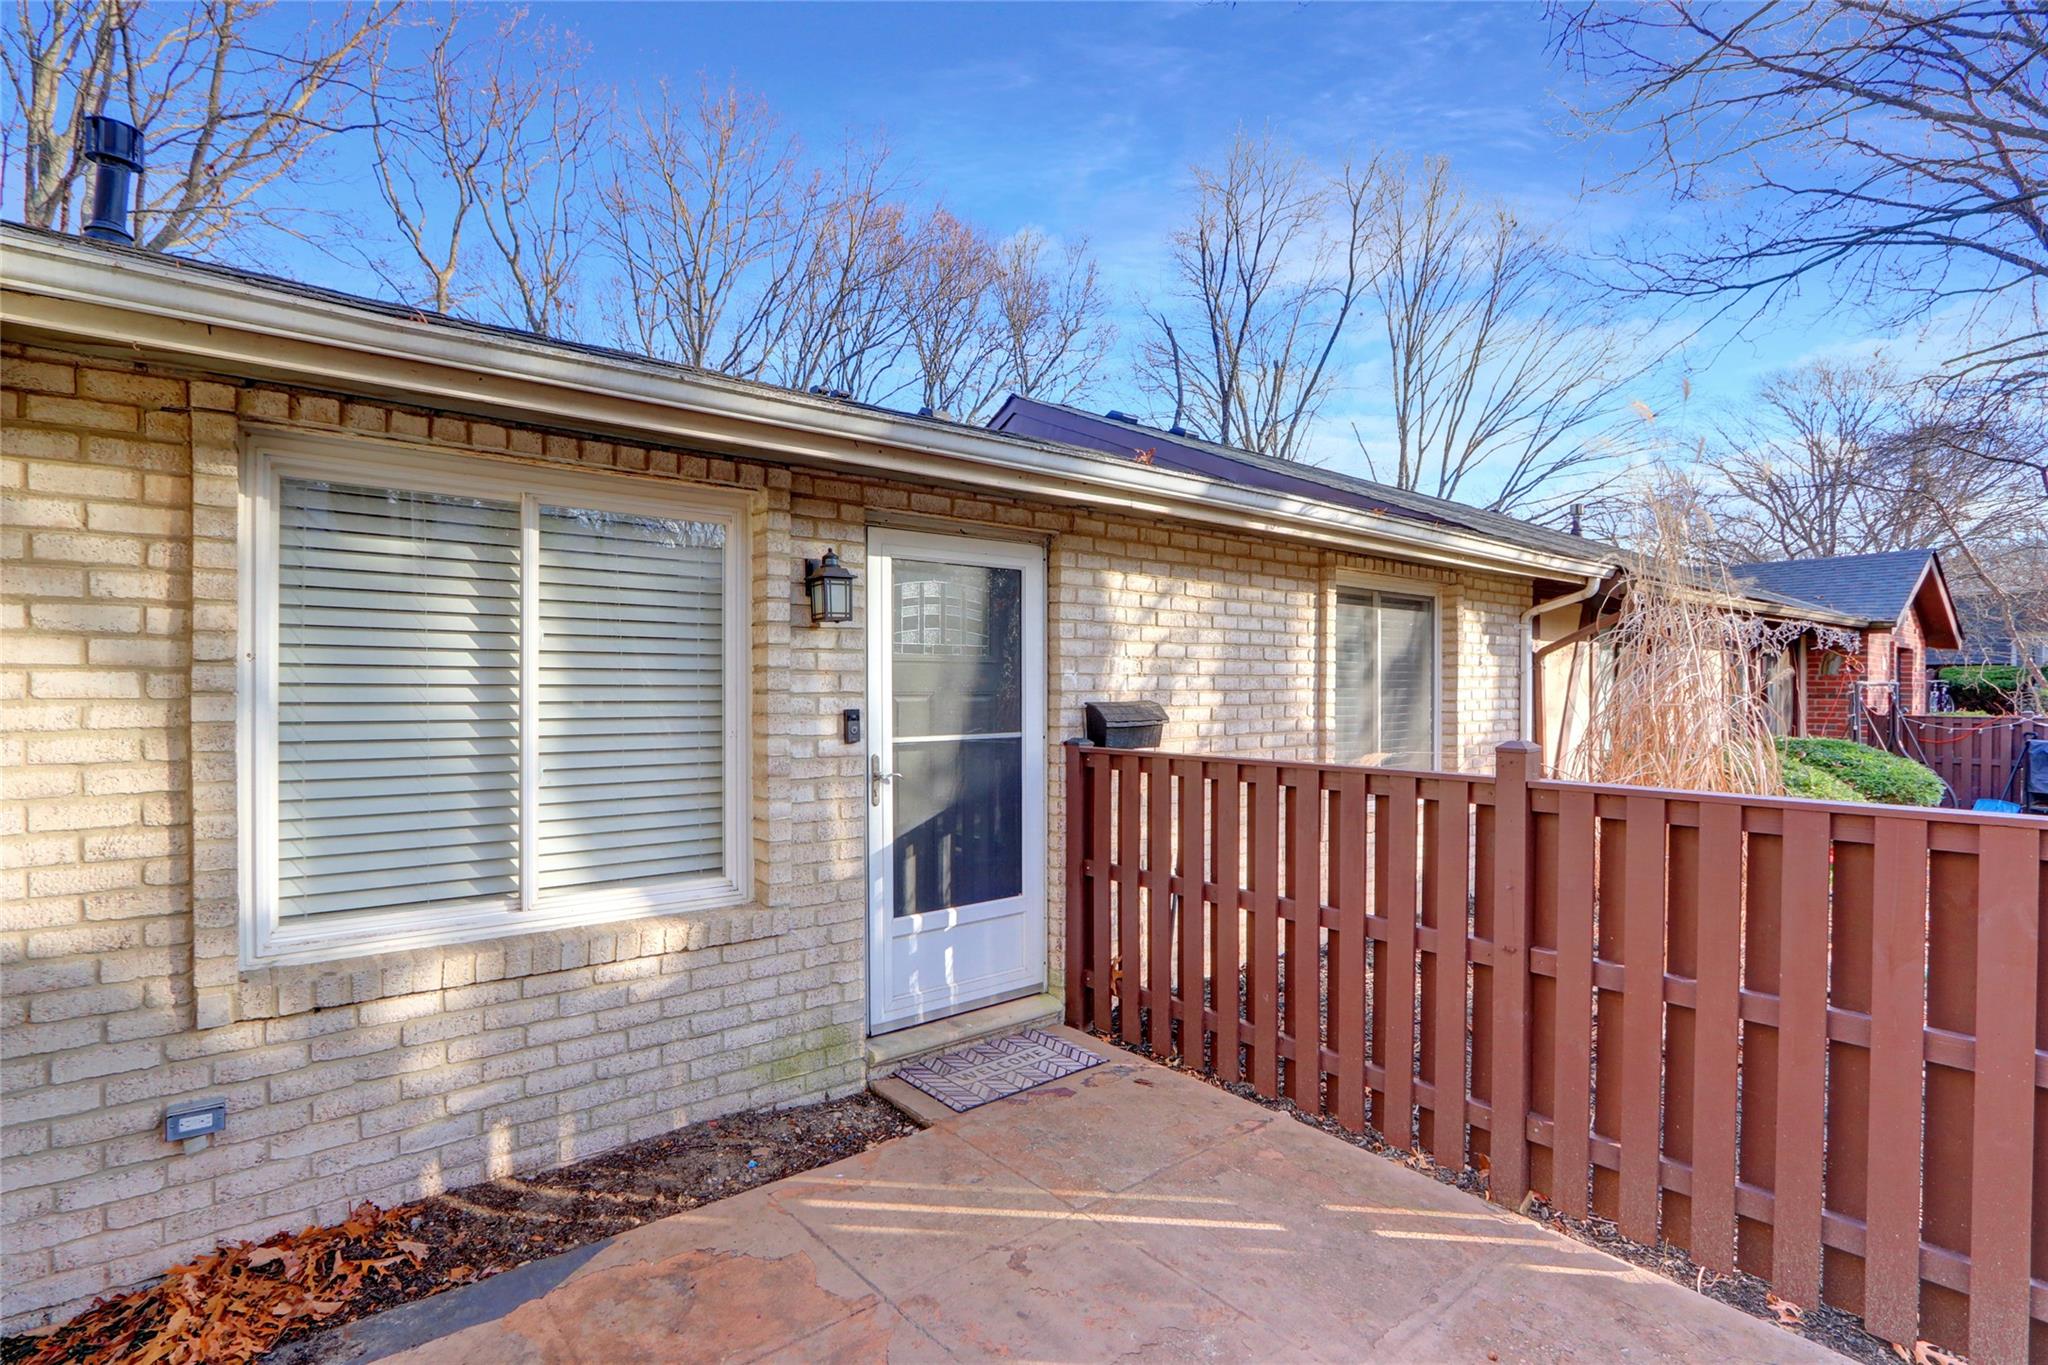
point(1082, 120)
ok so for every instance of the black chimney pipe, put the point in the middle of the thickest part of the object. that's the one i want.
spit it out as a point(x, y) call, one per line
point(115, 150)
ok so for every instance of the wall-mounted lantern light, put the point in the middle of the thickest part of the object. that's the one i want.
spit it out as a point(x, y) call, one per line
point(829, 585)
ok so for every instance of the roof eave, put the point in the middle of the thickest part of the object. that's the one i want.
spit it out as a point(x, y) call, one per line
point(1951, 621)
point(155, 306)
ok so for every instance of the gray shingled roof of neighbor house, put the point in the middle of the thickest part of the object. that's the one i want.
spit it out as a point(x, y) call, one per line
point(1060, 422)
point(1878, 587)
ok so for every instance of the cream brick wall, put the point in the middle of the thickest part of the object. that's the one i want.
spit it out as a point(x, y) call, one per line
point(388, 1077)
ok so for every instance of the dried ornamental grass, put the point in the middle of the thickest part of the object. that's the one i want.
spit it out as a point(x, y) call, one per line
point(1674, 706)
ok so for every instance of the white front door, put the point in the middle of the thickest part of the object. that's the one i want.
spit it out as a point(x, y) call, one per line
point(956, 775)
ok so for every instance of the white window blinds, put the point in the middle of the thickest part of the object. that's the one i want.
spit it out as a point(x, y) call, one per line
point(397, 698)
point(1384, 702)
point(631, 713)
point(491, 705)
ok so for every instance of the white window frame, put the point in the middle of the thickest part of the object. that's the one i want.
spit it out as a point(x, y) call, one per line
point(271, 457)
point(1347, 580)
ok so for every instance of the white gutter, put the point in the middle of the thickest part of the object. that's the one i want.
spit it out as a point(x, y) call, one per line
point(1570, 599)
point(135, 303)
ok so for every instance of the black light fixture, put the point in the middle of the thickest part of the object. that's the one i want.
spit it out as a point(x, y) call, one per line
point(829, 585)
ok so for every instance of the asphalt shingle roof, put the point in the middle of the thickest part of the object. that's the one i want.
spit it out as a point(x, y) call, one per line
point(1191, 454)
point(1877, 587)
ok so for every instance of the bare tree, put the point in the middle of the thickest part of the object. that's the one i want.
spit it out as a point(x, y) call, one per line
point(1270, 269)
point(481, 150)
point(988, 318)
point(226, 110)
point(707, 216)
point(1845, 459)
point(1504, 370)
point(430, 134)
point(945, 290)
point(1051, 335)
point(59, 59)
point(1894, 152)
point(842, 331)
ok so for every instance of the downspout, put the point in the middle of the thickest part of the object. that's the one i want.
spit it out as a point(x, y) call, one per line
point(1592, 589)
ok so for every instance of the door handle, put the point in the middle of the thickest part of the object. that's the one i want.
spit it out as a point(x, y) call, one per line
point(876, 777)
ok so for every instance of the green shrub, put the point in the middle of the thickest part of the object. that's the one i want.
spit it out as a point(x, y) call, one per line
point(1982, 687)
point(1871, 774)
point(1803, 779)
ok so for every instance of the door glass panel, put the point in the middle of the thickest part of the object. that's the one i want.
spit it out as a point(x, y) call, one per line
point(959, 823)
point(956, 665)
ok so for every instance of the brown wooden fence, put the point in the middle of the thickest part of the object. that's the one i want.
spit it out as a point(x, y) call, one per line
point(1808, 1091)
point(1973, 754)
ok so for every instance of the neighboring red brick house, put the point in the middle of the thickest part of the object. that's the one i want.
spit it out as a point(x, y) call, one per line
point(1905, 597)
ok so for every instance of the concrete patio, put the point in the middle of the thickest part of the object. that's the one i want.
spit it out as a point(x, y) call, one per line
point(1127, 1211)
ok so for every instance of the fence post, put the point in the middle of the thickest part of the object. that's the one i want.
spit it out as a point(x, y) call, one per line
point(1508, 1143)
point(1074, 949)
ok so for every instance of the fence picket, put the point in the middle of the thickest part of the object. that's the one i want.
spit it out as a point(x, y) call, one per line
point(1571, 1124)
point(1159, 904)
point(1074, 939)
point(1227, 952)
point(1191, 865)
point(1508, 1140)
point(1349, 802)
point(1129, 921)
point(1262, 967)
point(1451, 885)
point(1802, 1057)
point(1395, 982)
point(1303, 938)
point(1718, 1029)
point(1642, 1016)
point(2002, 1128)
point(1099, 959)
point(1898, 1021)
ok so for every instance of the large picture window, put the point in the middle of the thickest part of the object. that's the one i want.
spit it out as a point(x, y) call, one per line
point(481, 700)
point(1383, 707)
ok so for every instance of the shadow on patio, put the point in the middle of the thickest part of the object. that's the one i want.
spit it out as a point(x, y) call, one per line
point(1127, 1210)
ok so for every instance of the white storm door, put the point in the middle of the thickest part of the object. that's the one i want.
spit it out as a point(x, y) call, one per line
point(956, 775)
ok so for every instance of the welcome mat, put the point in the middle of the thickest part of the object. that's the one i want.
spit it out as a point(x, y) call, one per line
point(969, 1077)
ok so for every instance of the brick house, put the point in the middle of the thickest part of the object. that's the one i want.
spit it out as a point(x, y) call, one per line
point(1901, 597)
point(417, 736)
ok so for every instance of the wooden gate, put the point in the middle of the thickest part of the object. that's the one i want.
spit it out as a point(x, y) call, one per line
point(1973, 754)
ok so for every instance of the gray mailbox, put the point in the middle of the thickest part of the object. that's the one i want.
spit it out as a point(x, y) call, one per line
point(1125, 724)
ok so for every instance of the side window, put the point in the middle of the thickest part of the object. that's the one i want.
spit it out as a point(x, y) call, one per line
point(1384, 688)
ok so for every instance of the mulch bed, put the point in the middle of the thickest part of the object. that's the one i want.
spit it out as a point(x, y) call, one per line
point(245, 1300)
point(1831, 1327)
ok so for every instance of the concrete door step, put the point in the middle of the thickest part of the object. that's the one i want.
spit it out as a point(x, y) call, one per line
point(890, 1051)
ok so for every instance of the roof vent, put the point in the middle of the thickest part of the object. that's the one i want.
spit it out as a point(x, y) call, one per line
point(1176, 431)
point(821, 391)
point(115, 150)
point(1115, 416)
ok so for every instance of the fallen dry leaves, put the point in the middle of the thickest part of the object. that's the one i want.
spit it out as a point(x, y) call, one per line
point(234, 1304)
